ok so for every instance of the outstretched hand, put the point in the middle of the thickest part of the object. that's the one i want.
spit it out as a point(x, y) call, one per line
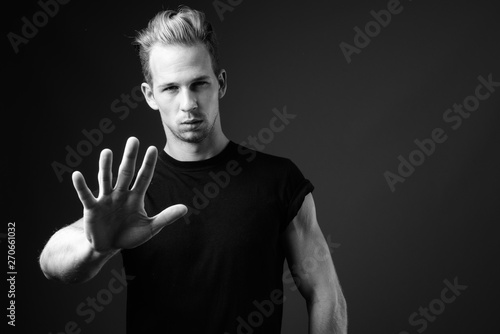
point(116, 219)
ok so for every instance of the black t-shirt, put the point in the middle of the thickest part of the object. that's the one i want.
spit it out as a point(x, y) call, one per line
point(219, 268)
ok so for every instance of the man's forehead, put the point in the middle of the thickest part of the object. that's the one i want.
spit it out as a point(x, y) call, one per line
point(169, 61)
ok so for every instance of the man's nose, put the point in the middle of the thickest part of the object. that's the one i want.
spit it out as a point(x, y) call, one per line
point(188, 100)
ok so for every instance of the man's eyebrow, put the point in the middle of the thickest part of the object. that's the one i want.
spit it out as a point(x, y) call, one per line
point(199, 78)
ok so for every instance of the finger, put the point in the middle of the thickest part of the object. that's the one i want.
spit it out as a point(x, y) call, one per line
point(105, 173)
point(146, 172)
point(127, 167)
point(84, 193)
point(167, 217)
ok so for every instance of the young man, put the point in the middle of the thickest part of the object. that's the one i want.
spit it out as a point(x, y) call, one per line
point(220, 268)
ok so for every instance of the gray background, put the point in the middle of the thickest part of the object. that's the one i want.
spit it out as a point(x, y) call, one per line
point(353, 121)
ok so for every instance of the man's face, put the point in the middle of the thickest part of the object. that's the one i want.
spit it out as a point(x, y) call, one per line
point(186, 92)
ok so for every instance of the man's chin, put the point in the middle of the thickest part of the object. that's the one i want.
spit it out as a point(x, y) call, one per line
point(192, 137)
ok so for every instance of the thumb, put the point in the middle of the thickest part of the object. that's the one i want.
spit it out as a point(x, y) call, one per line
point(167, 217)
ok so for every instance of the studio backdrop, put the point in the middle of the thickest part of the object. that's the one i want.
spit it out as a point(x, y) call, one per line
point(390, 108)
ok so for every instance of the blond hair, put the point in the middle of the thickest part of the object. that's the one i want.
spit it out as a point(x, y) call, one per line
point(185, 26)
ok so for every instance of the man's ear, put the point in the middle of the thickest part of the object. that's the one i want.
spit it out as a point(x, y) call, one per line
point(222, 79)
point(148, 94)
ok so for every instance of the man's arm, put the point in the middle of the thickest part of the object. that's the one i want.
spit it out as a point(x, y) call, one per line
point(115, 220)
point(69, 257)
point(309, 258)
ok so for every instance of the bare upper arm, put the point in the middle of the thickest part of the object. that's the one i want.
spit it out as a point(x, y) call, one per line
point(308, 253)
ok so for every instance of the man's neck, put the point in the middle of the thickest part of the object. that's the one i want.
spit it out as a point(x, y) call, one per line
point(184, 151)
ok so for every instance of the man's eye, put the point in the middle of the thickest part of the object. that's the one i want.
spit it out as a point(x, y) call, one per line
point(200, 83)
point(170, 88)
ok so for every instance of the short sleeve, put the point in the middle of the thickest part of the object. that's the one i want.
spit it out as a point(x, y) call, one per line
point(296, 189)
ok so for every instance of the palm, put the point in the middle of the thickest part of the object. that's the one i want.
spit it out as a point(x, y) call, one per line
point(117, 222)
point(116, 219)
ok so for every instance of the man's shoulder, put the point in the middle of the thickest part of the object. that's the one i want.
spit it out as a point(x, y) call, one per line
point(252, 156)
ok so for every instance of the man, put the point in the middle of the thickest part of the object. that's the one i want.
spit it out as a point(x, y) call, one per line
point(220, 270)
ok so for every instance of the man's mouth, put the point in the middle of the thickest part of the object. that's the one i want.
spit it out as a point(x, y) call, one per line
point(191, 124)
point(192, 121)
